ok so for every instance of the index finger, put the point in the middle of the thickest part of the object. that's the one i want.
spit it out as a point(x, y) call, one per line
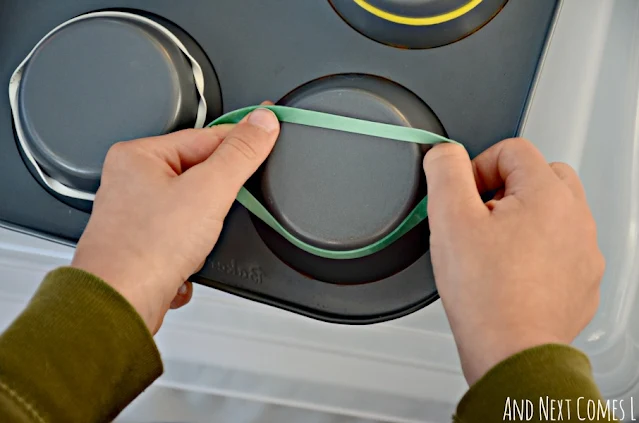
point(184, 149)
point(513, 164)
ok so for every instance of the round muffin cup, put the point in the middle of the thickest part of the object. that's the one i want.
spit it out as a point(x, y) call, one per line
point(61, 185)
point(341, 191)
point(417, 24)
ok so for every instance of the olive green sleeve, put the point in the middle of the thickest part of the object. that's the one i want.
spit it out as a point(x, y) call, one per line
point(530, 385)
point(78, 353)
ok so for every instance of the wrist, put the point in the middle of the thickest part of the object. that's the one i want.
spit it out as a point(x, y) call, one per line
point(480, 355)
point(130, 287)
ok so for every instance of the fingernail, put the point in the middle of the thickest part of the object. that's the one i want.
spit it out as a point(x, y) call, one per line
point(182, 290)
point(264, 119)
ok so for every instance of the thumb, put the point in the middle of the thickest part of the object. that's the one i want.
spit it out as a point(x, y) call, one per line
point(452, 191)
point(238, 156)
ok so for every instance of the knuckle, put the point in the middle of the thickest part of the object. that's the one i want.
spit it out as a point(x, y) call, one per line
point(561, 166)
point(519, 145)
point(564, 170)
point(189, 132)
point(116, 152)
point(241, 147)
point(594, 305)
point(444, 151)
point(519, 142)
point(600, 265)
point(591, 226)
point(118, 148)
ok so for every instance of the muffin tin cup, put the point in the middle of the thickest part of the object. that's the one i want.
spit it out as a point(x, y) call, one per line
point(16, 80)
point(417, 25)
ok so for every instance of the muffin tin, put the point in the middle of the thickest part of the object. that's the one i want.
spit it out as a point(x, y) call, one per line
point(331, 189)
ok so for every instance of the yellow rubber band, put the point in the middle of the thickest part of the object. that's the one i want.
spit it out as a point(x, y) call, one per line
point(425, 21)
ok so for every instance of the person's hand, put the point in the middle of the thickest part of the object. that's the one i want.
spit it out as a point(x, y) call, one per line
point(521, 270)
point(161, 206)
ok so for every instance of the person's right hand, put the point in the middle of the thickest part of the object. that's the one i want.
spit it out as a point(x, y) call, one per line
point(521, 270)
point(161, 206)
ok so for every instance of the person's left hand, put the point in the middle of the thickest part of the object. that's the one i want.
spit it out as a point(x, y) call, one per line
point(161, 206)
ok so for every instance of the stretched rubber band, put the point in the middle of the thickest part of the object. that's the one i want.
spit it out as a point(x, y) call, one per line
point(344, 124)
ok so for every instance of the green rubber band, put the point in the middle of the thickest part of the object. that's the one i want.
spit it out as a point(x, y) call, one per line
point(343, 124)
